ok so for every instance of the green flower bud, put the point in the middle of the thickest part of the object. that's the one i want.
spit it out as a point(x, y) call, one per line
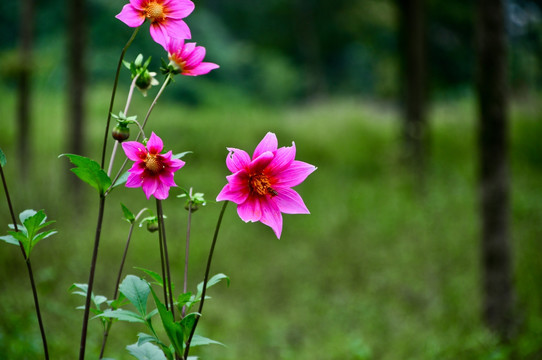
point(152, 226)
point(121, 132)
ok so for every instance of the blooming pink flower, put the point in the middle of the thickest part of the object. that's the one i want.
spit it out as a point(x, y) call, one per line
point(188, 57)
point(152, 171)
point(261, 186)
point(165, 17)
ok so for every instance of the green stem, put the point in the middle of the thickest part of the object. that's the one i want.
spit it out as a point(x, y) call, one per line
point(91, 278)
point(29, 268)
point(114, 91)
point(205, 280)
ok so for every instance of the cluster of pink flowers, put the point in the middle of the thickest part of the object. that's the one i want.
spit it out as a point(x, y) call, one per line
point(168, 29)
point(261, 186)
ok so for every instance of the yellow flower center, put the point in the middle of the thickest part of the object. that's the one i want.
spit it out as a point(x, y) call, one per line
point(261, 185)
point(154, 11)
point(153, 164)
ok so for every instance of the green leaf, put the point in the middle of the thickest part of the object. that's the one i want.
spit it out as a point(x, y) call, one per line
point(137, 291)
point(123, 315)
point(3, 160)
point(173, 330)
point(212, 281)
point(90, 172)
point(181, 155)
point(154, 275)
point(187, 323)
point(146, 351)
point(128, 215)
point(143, 338)
point(10, 240)
point(122, 179)
point(198, 340)
point(83, 290)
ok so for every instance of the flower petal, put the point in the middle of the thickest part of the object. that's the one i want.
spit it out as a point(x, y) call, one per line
point(131, 16)
point(294, 175)
point(159, 33)
point(258, 164)
point(271, 215)
point(134, 151)
point(268, 143)
point(178, 9)
point(166, 178)
point(149, 186)
point(195, 58)
point(162, 191)
point(138, 4)
point(250, 210)
point(232, 194)
point(133, 181)
point(201, 69)
point(175, 28)
point(155, 144)
point(284, 157)
point(290, 202)
point(237, 160)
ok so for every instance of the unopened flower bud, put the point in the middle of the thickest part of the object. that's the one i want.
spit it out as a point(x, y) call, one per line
point(121, 132)
point(152, 226)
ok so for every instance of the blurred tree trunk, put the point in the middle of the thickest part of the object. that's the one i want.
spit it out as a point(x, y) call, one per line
point(77, 42)
point(24, 96)
point(310, 47)
point(413, 84)
point(494, 178)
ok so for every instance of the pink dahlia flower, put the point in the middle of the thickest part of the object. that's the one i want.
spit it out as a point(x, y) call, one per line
point(152, 171)
point(261, 186)
point(187, 57)
point(165, 17)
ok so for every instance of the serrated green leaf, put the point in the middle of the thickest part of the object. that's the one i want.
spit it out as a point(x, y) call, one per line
point(90, 172)
point(123, 315)
point(146, 351)
point(26, 214)
point(173, 330)
point(128, 215)
point(3, 160)
point(137, 291)
point(43, 235)
point(198, 340)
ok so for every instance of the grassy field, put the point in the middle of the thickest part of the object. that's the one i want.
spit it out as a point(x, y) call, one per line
point(377, 271)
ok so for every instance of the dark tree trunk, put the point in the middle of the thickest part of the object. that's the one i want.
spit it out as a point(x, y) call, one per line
point(310, 48)
point(24, 97)
point(494, 178)
point(413, 83)
point(77, 38)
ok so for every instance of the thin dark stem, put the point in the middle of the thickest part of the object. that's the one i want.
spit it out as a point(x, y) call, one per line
point(114, 91)
point(29, 268)
point(162, 261)
point(116, 291)
point(166, 256)
point(205, 280)
point(186, 252)
point(91, 277)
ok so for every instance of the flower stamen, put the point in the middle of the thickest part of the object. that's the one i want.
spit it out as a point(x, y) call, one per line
point(154, 11)
point(260, 184)
point(153, 164)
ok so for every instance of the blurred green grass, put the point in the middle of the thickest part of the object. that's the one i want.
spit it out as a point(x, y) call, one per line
point(377, 271)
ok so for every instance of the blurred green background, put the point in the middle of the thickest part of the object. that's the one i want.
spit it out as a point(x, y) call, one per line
point(379, 270)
